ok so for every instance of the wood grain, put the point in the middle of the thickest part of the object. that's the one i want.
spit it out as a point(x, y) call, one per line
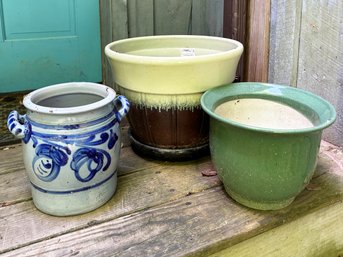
point(170, 209)
point(321, 58)
point(14, 188)
point(317, 234)
point(285, 25)
point(114, 26)
point(15, 185)
point(172, 17)
point(10, 158)
point(257, 43)
point(306, 50)
point(23, 224)
point(140, 18)
point(197, 225)
point(106, 37)
point(234, 23)
point(207, 17)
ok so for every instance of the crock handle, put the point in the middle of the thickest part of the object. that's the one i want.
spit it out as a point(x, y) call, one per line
point(124, 107)
point(17, 124)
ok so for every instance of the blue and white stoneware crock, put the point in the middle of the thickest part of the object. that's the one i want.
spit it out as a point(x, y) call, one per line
point(71, 145)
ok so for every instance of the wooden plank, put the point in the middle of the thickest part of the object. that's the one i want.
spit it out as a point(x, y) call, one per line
point(15, 185)
point(207, 17)
point(106, 33)
point(199, 24)
point(114, 27)
point(172, 17)
point(14, 188)
point(119, 19)
point(234, 23)
point(257, 44)
point(10, 158)
point(317, 234)
point(22, 224)
point(198, 224)
point(130, 162)
point(284, 41)
point(140, 18)
point(124, 128)
point(321, 58)
point(215, 17)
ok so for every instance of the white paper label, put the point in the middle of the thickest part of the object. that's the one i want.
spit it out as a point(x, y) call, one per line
point(187, 52)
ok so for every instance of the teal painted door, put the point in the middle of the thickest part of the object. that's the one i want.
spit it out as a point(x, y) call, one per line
point(44, 42)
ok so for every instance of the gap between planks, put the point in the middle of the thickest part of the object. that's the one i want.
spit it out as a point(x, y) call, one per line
point(186, 226)
point(136, 192)
point(313, 198)
point(14, 177)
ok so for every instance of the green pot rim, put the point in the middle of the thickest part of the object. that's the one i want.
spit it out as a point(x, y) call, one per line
point(280, 93)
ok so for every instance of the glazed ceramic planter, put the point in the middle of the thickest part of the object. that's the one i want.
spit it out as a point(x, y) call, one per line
point(265, 149)
point(164, 78)
point(71, 145)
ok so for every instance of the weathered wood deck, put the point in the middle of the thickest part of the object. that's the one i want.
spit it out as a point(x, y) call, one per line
point(171, 209)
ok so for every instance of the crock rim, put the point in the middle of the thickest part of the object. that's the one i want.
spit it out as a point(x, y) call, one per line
point(31, 99)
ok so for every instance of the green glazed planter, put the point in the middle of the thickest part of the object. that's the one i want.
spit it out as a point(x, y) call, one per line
point(260, 167)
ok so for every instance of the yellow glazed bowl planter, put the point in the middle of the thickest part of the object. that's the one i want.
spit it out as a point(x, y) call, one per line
point(164, 78)
point(264, 140)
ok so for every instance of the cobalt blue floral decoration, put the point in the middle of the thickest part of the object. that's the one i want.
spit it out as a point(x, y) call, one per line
point(71, 145)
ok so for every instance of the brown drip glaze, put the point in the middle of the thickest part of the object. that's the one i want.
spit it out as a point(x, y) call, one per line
point(170, 129)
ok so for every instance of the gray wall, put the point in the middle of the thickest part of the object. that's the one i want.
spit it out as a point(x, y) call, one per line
point(306, 51)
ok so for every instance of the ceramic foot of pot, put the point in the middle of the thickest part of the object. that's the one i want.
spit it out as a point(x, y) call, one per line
point(265, 206)
point(73, 203)
point(184, 154)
